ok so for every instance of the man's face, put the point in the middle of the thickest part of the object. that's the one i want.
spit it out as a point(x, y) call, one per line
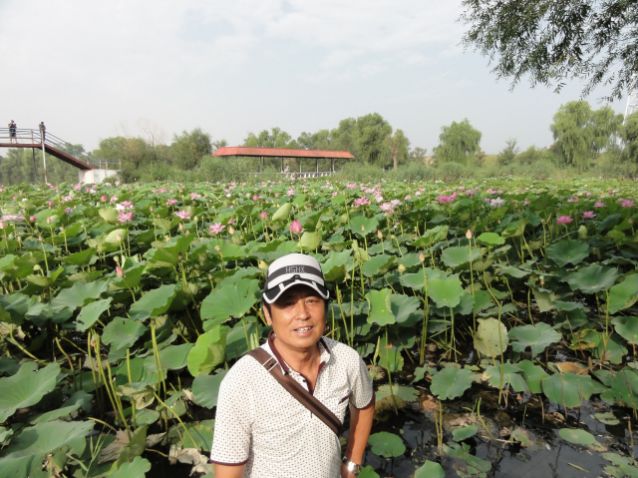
point(297, 319)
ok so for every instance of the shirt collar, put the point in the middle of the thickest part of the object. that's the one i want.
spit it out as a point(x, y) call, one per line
point(323, 348)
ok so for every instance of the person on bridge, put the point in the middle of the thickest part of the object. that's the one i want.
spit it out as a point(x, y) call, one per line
point(13, 128)
point(43, 131)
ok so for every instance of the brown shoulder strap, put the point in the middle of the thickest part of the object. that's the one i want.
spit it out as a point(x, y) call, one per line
point(297, 391)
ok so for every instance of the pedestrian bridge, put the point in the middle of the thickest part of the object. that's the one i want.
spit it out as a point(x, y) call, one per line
point(31, 138)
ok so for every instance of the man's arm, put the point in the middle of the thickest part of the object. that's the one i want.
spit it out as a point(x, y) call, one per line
point(360, 426)
point(228, 471)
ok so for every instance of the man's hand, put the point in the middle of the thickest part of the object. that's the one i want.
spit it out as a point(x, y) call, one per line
point(345, 473)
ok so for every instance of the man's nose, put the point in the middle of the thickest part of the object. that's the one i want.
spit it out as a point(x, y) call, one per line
point(301, 309)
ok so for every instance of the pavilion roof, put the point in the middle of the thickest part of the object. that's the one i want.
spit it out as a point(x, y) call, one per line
point(229, 151)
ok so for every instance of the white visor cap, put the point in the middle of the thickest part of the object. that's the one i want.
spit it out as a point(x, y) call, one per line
point(291, 270)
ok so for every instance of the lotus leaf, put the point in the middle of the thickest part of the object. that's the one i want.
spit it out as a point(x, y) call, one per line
point(206, 389)
point(432, 236)
point(390, 357)
point(627, 328)
point(386, 444)
point(610, 350)
point(116, 237)
point(623, 388)
point(445, 292)
point(336, 265)
point(569, 390)
point(537, 337)
point(198, 435)
point(607, 418)
point(109, 214)
point(5, 434)
point(418, 280)
point(133, 469)
point(377, 265)
point(79, 294)
point(463, 433)
point(506, 374)
point(472, 466)
point(154, 302)
point(310, 241)
point(534, 375)
point(362, 225)
point(81, 258)
point(282, 213)
point(227, 249)
point(568, 251)
point(208, 351)
point(429, 469)
point(91, 313)
point(229, 300)
point(122, 333)
point(451, 382)
point(580, 437)
point(380, 307)
point(491, 338)
point(46, 437)
point(592, 278)
point(622, 467)
point(512, 271)
point(401, 392)
point(146, 417)
point(405, 308)
point(491, 239)
point(368, 472)
point(174, 357)
point(623, 295)
point(460, 255)
point(26, 387)
point(79, 399)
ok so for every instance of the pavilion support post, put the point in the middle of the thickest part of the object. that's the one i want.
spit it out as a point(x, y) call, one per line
point(281, 169)
point(317, 166)
point(332, 165)
point(299, 165)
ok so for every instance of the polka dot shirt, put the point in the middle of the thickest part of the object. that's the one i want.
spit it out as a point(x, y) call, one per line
point(259, 424)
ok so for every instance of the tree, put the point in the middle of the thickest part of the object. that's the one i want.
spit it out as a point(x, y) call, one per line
point(508, 154)
point(399, 147)
point(629, 135)
point(418, 154)
point(134, 154)
point(557, 40)
point(275, 138)
point(188, 149)
point(581, 134)
point(458, 142)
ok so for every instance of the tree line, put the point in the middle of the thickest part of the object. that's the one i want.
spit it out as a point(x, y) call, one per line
point(584, 139)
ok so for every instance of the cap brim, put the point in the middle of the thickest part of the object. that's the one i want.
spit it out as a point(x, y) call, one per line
point(270, 296)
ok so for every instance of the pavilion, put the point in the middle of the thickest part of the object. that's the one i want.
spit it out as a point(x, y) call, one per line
point(285, 153)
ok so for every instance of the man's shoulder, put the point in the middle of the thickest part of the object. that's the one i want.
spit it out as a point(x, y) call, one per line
point(341, 350)
point(245, 368)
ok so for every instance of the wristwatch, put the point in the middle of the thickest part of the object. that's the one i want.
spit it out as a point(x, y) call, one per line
point(351, 466)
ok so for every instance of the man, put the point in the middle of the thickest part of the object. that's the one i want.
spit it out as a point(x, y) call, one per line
point(43, 131)
point(13, 128)
point(261, 429)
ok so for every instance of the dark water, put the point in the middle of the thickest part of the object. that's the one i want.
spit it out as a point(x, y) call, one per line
point(548, 457)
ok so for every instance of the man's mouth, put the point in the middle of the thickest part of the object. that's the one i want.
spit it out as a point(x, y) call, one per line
point(303, 330)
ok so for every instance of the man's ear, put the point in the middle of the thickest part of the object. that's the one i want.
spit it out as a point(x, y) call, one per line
point(266, 314)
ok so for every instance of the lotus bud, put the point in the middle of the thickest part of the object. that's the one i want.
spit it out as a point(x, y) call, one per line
point(401, 268)
point(262, 265)
point(468, 234)
point(421, 257)
point(582, 232)
point(380, 234)
point(231, 230)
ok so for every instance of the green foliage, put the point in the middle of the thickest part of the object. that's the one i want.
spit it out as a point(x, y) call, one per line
point(458, 143)
point(451, 382)
point(552, 42)
point(188, 149)
point(386, 444)
point(26, 387)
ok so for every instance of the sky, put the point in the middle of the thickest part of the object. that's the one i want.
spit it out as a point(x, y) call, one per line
point(156, 68)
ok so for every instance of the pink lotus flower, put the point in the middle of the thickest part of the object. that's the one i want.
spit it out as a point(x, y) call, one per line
point(103, 198)
point(589, 215)
point(446, 198)
point(496, 202)
point(216, 228)
point(2, 225)
point(362, 201)
point(32, 218)
point(626, 203)
point(124, 206)
point(351, 186)
point(256, 197)
point(171, 202)
point(290, 192)
point(125, 217)
point(263, 215)
point(599, 204)
point(68, 211)
point(119, 272)
point(564, 220)
point(296, 227)
point(183, 214)
point(195, 196)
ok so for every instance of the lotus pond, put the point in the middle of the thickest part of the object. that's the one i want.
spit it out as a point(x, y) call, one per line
point(499, 320)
